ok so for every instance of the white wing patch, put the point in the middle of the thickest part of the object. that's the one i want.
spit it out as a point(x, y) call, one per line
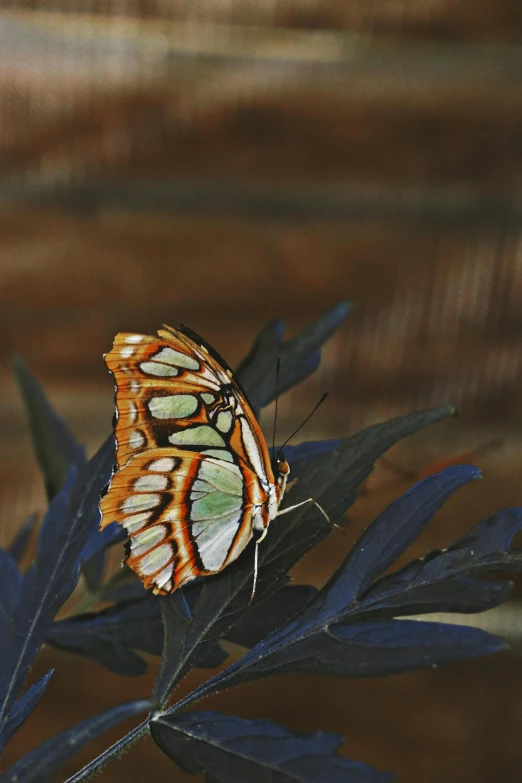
point(214, 538)
point(142, 502)
point(135, 522)
point(136, 439)
point(145, 540)
point(253, 450)
point(154, 483)
point(162, 465)
point(156, 559)
point(164, 576)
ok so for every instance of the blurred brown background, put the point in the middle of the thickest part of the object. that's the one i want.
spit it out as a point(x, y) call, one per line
point(224, 162)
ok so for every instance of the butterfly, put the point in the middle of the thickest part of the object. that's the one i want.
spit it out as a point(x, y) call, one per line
point(194, 478)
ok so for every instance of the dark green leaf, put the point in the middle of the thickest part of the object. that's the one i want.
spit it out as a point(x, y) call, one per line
point(451, 580)
point(227, 749)
point(72, 516)
point(112, 635)
point(374, 649)
point(23, 707)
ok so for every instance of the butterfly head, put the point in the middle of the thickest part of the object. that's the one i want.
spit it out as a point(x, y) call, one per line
point(283, 468)
point(282, 471)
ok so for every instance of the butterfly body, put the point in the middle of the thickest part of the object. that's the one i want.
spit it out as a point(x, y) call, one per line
point(193, 477)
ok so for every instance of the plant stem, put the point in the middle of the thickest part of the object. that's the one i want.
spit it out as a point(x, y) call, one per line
point(119, 747)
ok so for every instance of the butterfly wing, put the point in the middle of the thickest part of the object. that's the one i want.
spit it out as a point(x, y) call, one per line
point(186, 514)
point(193, 470)
point(175, 390)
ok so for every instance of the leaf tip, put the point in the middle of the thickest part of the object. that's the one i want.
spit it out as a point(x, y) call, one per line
point(494, 644)
point(18, 366)
point(471, 472)
point(342, 309)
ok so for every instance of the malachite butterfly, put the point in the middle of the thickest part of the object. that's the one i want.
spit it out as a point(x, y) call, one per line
point(193, 477)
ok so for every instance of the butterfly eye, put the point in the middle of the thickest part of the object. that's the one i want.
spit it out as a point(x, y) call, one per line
point(283, 467)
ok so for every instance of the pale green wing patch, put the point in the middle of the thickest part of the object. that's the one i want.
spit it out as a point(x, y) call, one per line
point(173, 406)
point(216, 511)
point(176, 358)
point(224, 421)
point(202, 435)
point(159, 370)
point(225, 478)
point(212, 505)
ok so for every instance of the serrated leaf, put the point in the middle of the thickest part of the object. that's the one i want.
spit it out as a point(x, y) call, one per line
point(450, 580)
point(375, 649)
point(215, 605)
point(44, 588)
point(300, 356)
point(234, 750)
point(56, 448)
point(390, 534)
point(42, 763)
point(315, 639)
point(23, 707)
point(111, 636)
point(71, 517)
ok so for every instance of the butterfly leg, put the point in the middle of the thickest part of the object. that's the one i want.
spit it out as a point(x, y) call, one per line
point(256, 564)
point(316, 504)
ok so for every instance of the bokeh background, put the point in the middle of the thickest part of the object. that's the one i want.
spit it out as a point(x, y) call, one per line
point(223, 162)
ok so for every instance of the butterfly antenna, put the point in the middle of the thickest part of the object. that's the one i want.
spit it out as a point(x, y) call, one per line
point(278, 367)
point(323, 398)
